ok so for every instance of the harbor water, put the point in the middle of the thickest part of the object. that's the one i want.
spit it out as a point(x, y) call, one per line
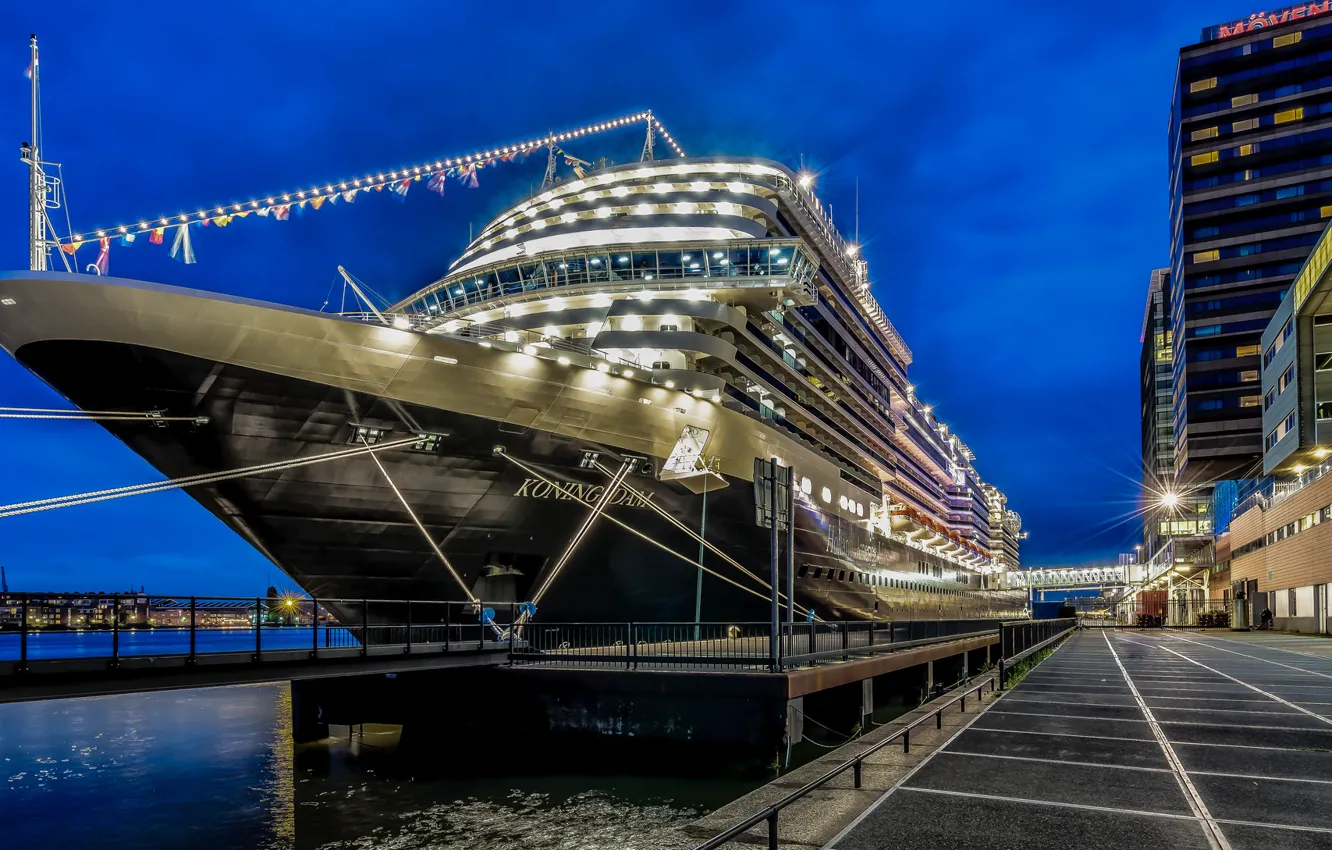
point(217, 768)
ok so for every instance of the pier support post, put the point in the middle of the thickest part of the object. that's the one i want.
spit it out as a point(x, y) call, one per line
point(306, 722)
point(866, 703)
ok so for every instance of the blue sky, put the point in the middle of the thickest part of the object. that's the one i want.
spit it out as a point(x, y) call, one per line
point(1011, 162)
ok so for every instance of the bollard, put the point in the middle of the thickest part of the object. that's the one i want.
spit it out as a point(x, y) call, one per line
point(906, 740)
point(772, 830)
point(938, 719)
point(857, 772)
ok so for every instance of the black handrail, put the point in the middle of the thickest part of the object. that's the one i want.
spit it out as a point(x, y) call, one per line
point(772, 812)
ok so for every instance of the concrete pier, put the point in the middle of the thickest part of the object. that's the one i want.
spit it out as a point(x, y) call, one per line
point(743, 716)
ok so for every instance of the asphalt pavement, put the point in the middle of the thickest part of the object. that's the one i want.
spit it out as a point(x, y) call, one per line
point(1128, 739)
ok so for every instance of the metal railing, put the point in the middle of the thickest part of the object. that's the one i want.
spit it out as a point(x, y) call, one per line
point(1019, 641)
point(772, 813)
point(1139, 613)
point(1016, 634)
point(44, 627)
point(709, 646)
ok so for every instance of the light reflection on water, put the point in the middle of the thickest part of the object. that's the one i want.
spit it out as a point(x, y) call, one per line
point(214, 768)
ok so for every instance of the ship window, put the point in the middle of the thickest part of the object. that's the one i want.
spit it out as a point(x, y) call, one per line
point(818, 572)
point(363, 434)
point(661, 364)
point(427, 443)
point(804, 569)
point(645, 265)
point(841, 575)
point(670, 264)
point(597, 266)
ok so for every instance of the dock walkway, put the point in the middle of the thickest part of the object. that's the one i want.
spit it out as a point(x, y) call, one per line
point(1129, 739)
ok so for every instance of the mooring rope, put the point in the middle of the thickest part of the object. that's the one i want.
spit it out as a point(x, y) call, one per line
point(689, 531)
point(191, 480)
point(567, 493)
point(51, 413)
point(439, 553)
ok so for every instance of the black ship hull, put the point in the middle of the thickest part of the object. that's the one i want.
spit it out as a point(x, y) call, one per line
point(339, 530)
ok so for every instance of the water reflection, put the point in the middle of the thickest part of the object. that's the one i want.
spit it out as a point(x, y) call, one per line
point(215, 768)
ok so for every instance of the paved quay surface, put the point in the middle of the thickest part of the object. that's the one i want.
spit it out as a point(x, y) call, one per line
point(1130, 740)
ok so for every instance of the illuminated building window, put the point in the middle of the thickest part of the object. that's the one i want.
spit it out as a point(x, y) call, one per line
point(1206, 133)
point(1243, 100)
point(1249, 401)
point(1285, 40)
point(1248, 376)
point(1245, 150)
point(1241, 126)
point(1207, 256)
point(1204, 158)
point(1246, 351)
point(1202, 85)
point(1289, 115)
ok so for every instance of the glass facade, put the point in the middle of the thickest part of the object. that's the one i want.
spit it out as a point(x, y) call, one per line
point(1250, 195)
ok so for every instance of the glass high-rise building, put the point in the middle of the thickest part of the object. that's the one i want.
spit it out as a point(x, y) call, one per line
point(1251, 189)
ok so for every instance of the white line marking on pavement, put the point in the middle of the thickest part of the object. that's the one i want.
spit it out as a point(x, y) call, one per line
point(1253, 688)
point(1215, 837)
point(898, 784)
point(1109, 810)
point(1062, 761)
point(1082, 806)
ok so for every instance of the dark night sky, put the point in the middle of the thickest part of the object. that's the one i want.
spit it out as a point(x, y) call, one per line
point(1011, 161)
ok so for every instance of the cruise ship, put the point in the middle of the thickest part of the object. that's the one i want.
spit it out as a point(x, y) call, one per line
point(575, 412)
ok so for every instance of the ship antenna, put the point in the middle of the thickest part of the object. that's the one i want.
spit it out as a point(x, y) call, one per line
point(40, 187)
point(38, 260)
point(647, 143)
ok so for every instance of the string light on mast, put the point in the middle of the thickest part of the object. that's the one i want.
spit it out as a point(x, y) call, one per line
point(279, 204)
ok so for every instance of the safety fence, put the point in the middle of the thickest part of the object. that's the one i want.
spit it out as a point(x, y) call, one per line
point(1030, 636)
point(1140, 613)
point(50, 627)
point(47, 630)
point(707, 646)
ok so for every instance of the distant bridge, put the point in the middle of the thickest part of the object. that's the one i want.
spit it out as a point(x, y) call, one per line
point(1068, 578)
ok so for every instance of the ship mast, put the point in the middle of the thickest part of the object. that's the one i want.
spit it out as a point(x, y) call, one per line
point(38, 260)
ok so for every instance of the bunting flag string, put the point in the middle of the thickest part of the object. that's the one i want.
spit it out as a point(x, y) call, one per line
point(103, 262)
point(279, 206)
